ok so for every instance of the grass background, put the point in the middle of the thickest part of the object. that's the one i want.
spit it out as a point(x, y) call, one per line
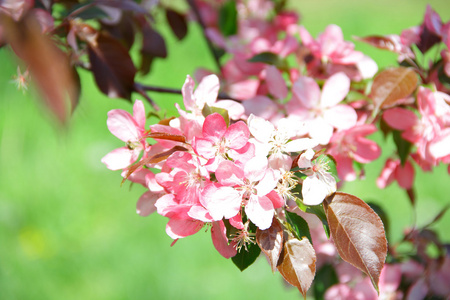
point(69, 231)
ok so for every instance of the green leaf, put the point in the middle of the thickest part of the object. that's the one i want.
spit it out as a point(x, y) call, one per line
point(320, 213)
point(299, 225)
point(228, 18)
point(325, 277)
point(243, 259)
point(403, 146)
point(267, 58)
point(209, 110)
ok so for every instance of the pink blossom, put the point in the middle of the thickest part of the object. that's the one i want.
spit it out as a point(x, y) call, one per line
point(351, 145)
point(277, 141)
point(333, 54)
point(319, 183)
point(129, 129)
point(393, 170)
point(321, 110)
point(249, 186)
point(429, 132)
point(218, 142)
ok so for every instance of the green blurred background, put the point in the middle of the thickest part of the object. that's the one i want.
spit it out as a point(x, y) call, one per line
point(69, 231)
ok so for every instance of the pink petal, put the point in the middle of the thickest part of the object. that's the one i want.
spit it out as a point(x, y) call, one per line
point(188, 92)
point(366, 150)
point(204, 147)
point(139, 114)
point(119, 158)
point(267, 183)
point(200, 213)
point(341, 116)
point(400, 118)
point(320, 130)
point(229, 174)
point(330, 39)
point(146, 203)
point(237, 135)
point(307, 91)
point(440, 147)
point(275, 82)
point(261, 106)
point(344, 166)
point(340, 291)
point(300, 145)
point(235, 109)
point(207, 90)
point(315, 189)
point(236, 221)
point(214, 127)
point(277, 200)
point(122, 125)
point(261, 129)
point(220, 240)
point(334, 90)
point(221, 201)
point(260, 211)
point(405, 175)
point(390, 278)
point(387, 174)
point(180, 228)
point(255, 168)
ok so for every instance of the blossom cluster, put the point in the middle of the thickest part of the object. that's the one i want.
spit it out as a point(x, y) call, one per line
point(293, 119)
point(214, 171)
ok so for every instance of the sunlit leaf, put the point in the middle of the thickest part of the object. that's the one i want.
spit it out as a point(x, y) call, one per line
point(297, 263)
point(166, 136)
point(271, 242)
point(381, 42)
point(358, 233)
point(392, 85)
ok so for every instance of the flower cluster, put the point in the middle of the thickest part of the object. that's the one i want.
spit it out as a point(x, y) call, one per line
point(211, 171)
point(294, 115)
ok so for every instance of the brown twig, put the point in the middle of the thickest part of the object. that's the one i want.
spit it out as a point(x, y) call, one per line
point(203, 26)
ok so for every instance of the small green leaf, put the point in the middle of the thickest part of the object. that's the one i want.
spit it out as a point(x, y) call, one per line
point(320, 213)
point(209, 110)
point(299, 225)
point(267, 58)
point(228, 18)
point(244, 259)
point(403, 146)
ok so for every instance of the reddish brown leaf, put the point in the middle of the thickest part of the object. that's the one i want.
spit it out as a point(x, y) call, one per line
point(166, 136)
point(153, 160)
point(381, 42)
point(153, 45)
point(392, 85)
point(297, 263)
point(49, 66)
point(271, 242)
point(358, 233)
point(177, 23)
point(112, 66)
point(129, 5)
